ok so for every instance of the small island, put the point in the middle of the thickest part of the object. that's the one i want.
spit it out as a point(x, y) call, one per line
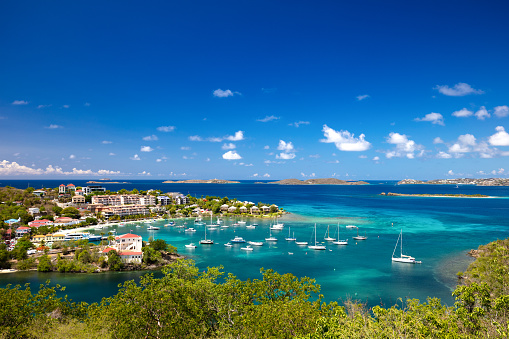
point(198, 181)
point(326, 181)
point(459, 181)
point(390, 194)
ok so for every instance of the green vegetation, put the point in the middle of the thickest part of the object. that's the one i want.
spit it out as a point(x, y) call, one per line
point(187, 303)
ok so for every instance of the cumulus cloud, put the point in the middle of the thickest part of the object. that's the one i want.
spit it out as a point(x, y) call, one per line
point(106, 142)
point(463, 113)
point(266, 147)
point(438, 140)
point(298, 123)
point(219, 93)
point(20, 102)
point(501, 111)
point(285, 146)
point(501, 138)
point(362, 97)
point(458, 90)
point(152, 137)
point(145, 173)
point(464, 144)
point(228, 146)
point(72, 156)
point(376, 158)
point(444, 155)
point(195, 138)
point(166, 128)
point(146, 149)
point(135, 157)
point(268, 118)
point(239, 135)
point(8, 168)
point(54, 126)
point(482, 113)
point(434, 118)
point(404, 146)
point(285, 156)
point(344, 140)
point(231, 155)
point(450, 172)
point(266, 175)
point(111, 153)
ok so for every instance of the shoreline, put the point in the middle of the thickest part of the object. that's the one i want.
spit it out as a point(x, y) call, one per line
point(389, 194)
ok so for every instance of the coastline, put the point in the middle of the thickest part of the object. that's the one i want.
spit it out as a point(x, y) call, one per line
point(389, 194)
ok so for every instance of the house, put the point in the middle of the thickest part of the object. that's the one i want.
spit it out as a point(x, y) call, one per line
point(79, 192)
point(224, 208)
point(164, 200)
point(243, 209)
point(39, 193)
point(265, 209)
point(65, 221)
point(21, 231)
point(128, 247)
point(78, 199)
point(40, 222)
point(232, 209)
point(62, 189)
point(255, 210)
point(70, 188)
point(33, 210)
point(91, 189)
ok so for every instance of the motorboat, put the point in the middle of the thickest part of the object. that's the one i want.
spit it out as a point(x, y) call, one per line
point(153, 228)
point(351, 226)
point(238, 240)
point(191, 245)
point(190, 229)
point(301, 243)
point(228, 244)
point(255, 243)
point(247, 248)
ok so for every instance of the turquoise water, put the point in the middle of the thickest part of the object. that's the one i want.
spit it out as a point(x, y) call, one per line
point(437, 231)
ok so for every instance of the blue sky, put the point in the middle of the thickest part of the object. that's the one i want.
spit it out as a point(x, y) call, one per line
point(254, 90)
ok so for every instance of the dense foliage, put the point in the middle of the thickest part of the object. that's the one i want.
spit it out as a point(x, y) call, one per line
point(187, 303)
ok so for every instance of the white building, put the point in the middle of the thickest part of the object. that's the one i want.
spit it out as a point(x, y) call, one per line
point(164, 200)
point(128, 246)
point(91, 189)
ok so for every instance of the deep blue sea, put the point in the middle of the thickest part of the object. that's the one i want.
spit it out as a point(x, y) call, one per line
point(437, 231)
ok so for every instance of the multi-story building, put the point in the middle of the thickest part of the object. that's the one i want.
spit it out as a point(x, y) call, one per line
point(123, 210)
point(92, 189)
point(164, 200)
point(128, 246)
point(127, 199)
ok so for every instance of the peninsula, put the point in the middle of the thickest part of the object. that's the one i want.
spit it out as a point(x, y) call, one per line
point(198, 181)
point(390, 194)
point(326, 181)
point(459, 181)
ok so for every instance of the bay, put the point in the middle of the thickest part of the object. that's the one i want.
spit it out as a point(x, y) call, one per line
point(437, 231)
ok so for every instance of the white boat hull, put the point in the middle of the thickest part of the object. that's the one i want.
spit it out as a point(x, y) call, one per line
point(317, 247)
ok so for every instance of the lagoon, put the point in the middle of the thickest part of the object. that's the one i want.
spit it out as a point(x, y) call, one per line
point(437, 231)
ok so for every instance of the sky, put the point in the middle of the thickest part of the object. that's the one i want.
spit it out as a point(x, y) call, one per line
point(254, 90)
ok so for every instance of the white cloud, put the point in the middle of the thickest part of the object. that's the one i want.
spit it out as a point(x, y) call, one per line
point(333, 162)
point(195, 138)
point(458, 90)
point(146, 149)
point(255, 175)
point(434, 118)
point(450, 172)
point(268, 118)
point(266, 147)
point(239, 135)
point(53, 126)
point(298, 123)
point(501, 111)
point(285, 156)
point(285, 146)
point(501, 138)
point(345, 141)
point(152, 137)
point(145, 173)
point(376, 158)
point(185, 148)
point(363, 156)
point(8, 168)
point(43, 106)
point(467, 139)
point(266, 175)
point(228, 146)
point(404, 146)
point(438, 140)
point(443, 155)
point(362, 97)
point(65, 106)
point(135, 157)
point(463, 113)
point(111, 153)
point(20, 102)
point(72, 156)
point(464, 145)
point(106, 142)
point(482, 113)
point(166, 128)
point(224, 94)
point(231, 155)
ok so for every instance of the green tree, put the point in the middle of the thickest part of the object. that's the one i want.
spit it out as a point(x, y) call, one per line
point(57, 210)
point(45, 264)
point(4, 257)
point(114, 261)
point(71, 212)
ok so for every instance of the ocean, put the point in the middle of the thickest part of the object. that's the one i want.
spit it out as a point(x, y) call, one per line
point(437, 231)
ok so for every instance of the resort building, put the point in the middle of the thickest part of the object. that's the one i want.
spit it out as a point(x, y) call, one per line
point(232, 209)
point(255, 210)
point(79, 192)
point(128, 199)
point(39, 193)
point(63, 189)
point(78, 199)
point(65, 221)
point(21, 231)
point(124, 210)
point(224, 208)
point(243, 209)
point(164, 200)
point(33, 210)
point(92, 189)
point(128, 247)
point(40, 222)
point(182, 200)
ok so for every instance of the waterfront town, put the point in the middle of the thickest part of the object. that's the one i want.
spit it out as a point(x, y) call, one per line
point(47, 221)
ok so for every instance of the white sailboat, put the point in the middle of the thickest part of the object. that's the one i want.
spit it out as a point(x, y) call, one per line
point(340, 242)
point(289, 237)
point(206, 241)
point(270, 238)
point(315, 246)
point(328, 237)
point(403, 258)
point(360, 237)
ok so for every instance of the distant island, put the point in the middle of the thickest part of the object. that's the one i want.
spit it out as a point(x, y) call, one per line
point(107, 182)
point(436, 195)
point(326, 181)
point(197, 181)
point(460, 181)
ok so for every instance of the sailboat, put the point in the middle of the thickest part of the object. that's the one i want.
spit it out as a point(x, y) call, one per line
point(270, 238)
point(290, 238)
point(206, 241)
point(360, 237)
point(315, 246)
point(403, 258)
point(340, 242)
point(328, 238)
